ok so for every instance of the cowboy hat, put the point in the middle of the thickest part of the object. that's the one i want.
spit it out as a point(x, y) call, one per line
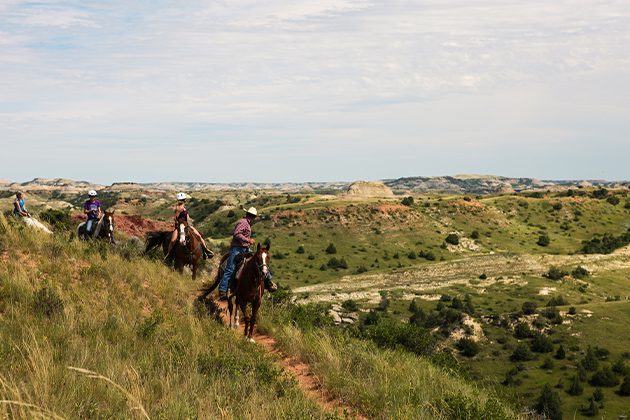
point(252, 211)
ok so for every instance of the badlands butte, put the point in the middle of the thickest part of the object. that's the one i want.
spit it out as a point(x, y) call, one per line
point(510, 294)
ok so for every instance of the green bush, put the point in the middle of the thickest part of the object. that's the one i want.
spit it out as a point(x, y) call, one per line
point(543, 240)
point(557, 301)
point(300, 250)
point(461, 407)
point(57, 219)
point(350, 305)
point(522, 331)
point(560, 353)
point(452, 239)
point(555, 273)
point(549, 404)
point(408, 201)
point(467, 347)
point(605, 244)
point(576, 388)
point(521, 353)
point(613, 199)
point(391, 333)
point(541, 344)
point(529, 308)
point(580, 272)
point(331, 249)
point(604, 377)
point(624, 389)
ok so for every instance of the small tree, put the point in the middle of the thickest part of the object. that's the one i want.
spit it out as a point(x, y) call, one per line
point(521, 353)
point(555, 273)
point(604, 377)
point(467, 347)
point(474, 234)
point(549, 404)
point(452, 239)
point(624, 389)
point(590, 361)
point(591, 409)
point(598, 394)
point(576, 387)
point(300, 250)
point(580, 272)
point(543, 240)
point(407, 201)
point(541, 344)
point(331, 249)
point(529, 308)
point(560, 353)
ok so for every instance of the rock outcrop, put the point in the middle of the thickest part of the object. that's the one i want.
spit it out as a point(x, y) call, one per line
point(369, 189)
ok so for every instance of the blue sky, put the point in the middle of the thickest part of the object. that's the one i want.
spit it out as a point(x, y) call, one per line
point(222, 91)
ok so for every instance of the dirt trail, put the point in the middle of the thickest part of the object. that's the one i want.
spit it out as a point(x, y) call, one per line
point(306, 380)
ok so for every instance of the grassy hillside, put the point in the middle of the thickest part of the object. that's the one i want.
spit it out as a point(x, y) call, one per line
point(90, 331)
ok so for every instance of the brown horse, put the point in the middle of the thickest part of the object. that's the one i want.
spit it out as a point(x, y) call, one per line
point(188, 250)
point(106, 231)
point(250, 286)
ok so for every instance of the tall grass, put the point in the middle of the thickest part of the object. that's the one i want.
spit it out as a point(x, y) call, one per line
point(117, 336)
point(383, 383)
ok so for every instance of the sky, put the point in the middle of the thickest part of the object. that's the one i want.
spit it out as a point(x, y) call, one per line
point(305, 90)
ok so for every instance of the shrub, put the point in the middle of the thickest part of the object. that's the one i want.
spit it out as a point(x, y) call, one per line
point(604, 377)
point(483, 276)
point(560, 353)
point(412, 255)
point(541, 344)
point(361, 269)
point(460, 407)
point(427, 255)
point(529, 308)
point(576, 388)
point(591, 409)
point(407, 201)
point(580, 272)
point(57, 219)
point(590, 361)
point(330, 249)
point(555, 273)
point(549, 404)
point(605, 244)
point(391, 333)
point(522, 331)
point(624, 389)
point(557, 206)
point(521, 353)
point(598, 394)
point(557, 301)
point(613, 199)
point(350, 305)
point(300, 250)
point(467, 347)
point(547, 364)
point(543, 240)
point(452, 239)
point(47, 302)
point(474, 234)
point(572, 310)
point(343, 264)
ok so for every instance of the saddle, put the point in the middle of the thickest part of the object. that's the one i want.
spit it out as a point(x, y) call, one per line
point(239, 263)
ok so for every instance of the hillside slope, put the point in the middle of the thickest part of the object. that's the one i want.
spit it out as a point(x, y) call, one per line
point(69, 308)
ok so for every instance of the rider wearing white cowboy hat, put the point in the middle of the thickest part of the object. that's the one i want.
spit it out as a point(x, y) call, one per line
point(241, 240)
point(181, 212)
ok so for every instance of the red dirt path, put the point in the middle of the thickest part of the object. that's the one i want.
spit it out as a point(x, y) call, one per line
point(132, 225)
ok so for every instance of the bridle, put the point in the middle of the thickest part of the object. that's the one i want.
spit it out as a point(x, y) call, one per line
point(263, 268)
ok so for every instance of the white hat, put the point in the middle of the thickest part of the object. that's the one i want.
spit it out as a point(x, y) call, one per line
point(181, 196)
point(92, 193)
point(252, 211)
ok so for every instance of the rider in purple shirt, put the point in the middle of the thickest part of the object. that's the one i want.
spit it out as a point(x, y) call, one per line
point(92, 208)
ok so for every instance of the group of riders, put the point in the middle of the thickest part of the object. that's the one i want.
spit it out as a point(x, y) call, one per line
point(240, 247)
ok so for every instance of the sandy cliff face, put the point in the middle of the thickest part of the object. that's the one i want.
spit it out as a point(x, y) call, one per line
point(369, 189)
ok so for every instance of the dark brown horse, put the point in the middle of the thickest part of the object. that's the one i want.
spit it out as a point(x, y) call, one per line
point(106, 231)
point(250, 286)
point(187, 251)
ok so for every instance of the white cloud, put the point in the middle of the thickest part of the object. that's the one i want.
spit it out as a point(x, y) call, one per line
point(303, 71)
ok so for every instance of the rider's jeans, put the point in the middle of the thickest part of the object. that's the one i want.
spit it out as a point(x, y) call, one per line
point(88, 225)
point(229, 267)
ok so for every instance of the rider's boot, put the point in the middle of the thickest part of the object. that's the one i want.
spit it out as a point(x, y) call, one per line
point(167, 258)
point(207, 254)
point(269, 284)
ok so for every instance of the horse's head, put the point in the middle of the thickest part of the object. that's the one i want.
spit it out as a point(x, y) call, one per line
point(262, 258)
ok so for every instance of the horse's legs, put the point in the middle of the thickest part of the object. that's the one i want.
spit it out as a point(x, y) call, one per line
point(194, 269)
point(246, 319)
point(230, 306)
point(252, 322)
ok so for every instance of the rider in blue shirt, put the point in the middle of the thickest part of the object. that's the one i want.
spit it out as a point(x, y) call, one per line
point(92, 208)
point(19, 206)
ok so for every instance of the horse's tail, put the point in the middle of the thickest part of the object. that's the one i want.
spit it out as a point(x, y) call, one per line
point(208, 288)
point(155, 239)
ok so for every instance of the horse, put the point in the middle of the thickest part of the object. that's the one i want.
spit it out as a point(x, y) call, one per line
point(106, 231)
point(250, 287)
point(187, 251)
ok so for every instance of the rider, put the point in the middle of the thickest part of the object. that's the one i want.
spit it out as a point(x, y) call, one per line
point(92, 208)
point(19, 206)
point(182, 213)
point(241, 240)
